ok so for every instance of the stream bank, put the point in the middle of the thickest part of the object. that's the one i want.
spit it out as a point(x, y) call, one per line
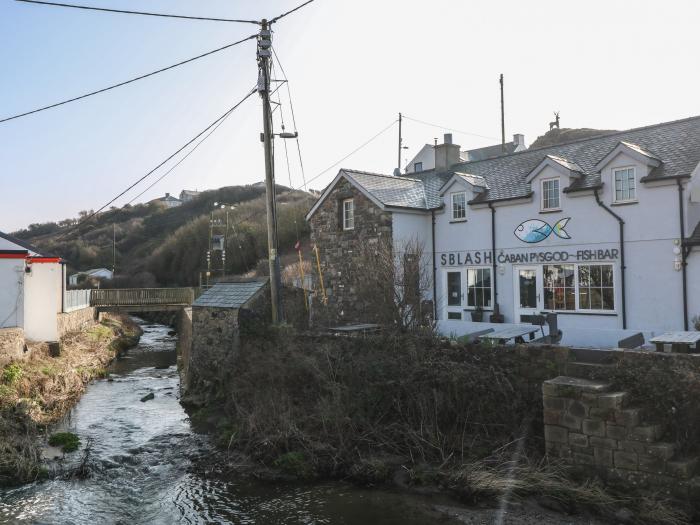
point(40, 390)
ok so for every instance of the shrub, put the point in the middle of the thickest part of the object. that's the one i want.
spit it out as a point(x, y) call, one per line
point(68, 441)
point(12, 373)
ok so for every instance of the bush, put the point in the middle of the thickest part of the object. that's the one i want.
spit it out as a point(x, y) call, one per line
point(68, 441)
point(12, 373)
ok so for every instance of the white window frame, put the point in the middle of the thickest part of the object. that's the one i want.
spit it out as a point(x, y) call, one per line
point(452, 206)
point(577, 304)
point(542, 194)
point(466, 287)
point(615, 200)
point(463, 305)
point(418, 166)
point(348, 219)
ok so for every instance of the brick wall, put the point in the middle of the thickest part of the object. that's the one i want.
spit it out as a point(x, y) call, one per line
point(338, 249)
point(11, 345)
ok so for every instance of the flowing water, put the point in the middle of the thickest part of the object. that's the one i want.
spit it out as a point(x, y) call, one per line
point(141, 457)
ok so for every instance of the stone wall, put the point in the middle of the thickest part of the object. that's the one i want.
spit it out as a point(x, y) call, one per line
point(215, 340)
point(75, 321)
point(339, 250)
point(184, 345)
point(11, 345)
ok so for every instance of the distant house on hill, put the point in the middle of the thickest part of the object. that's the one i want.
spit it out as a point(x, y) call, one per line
point(189, 195)
point(169, 201)
point(96, 274)
point(425, 158)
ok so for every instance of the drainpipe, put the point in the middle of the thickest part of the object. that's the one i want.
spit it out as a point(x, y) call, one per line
point(622, 255)
point(432, 217)
point(684, 262)
point(493, 259)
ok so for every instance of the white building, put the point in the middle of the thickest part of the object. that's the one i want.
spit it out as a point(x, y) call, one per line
point(425, 158)
point(32, 288)
point(169, 201)
point(94, 274)
point(601, 231)
point(189, 195)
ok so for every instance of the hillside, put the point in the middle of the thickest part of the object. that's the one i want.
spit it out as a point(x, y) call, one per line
point(560, 136)
point(160, 246)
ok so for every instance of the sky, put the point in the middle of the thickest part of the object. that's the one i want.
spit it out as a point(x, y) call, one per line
point(352, 67)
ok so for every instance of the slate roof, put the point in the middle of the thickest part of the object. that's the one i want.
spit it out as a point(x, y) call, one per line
point(25, 245)
point(694, 239)
point(229, 295)
point(488, 152)
point(403, 192)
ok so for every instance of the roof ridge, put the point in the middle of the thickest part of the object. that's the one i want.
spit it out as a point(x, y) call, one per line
point(382, 175)
point(577, 141)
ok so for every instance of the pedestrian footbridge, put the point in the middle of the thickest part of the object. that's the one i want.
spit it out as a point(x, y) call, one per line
point(132, 300)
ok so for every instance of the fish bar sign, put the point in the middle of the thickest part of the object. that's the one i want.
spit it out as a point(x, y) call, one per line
point(469, 258)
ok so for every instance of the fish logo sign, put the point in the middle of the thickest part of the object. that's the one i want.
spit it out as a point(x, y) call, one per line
point(535, 230)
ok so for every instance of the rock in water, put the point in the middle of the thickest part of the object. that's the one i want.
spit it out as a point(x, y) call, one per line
point(148, 397)
point(172, 332)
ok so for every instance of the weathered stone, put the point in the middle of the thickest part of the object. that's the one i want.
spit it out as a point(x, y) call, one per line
point(606, 414)
point(148, 397)
point(593, 427)
point(632, 446)
point(626, 460)
point(682, 468)
point(572, 387)
point(603, 457)
point(590, 399)
point(601, 442)
point(660, 450)
point(611, 399)
point(555, 403)
point(552, 417)
point(694, 489)
point(646, 434)
point(556, 434)
point(578, 409)
point(584, 459)
point(615, 431)
point(651, 464)
point(580, 440)
point(628, 417)
point(11, 345)
point(571, 422)
point(588, 451)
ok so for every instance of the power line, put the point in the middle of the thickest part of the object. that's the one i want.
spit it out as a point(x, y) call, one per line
point(125, 12)
point(128, 81)
point(165, 161)
point(449, 129)
point(290, 12)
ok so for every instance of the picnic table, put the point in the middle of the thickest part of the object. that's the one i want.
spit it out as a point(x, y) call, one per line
point(360, 328)
point(679, 341)
point(517, 333)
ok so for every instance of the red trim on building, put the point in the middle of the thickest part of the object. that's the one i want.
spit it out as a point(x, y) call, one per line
point(13, 255)
point(33, 260)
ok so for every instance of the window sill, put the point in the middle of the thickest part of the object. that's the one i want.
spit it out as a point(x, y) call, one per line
point(624, 203)
point(581, 312)
point(455, 221)
point(552, 210)
point(474, 310)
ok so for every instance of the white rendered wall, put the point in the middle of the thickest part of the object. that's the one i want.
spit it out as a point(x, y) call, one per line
point(11, 296)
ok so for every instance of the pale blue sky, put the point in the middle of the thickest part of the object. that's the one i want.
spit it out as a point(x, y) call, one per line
point(352, 65)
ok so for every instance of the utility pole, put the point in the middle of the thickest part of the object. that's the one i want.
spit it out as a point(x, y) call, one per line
point(114, 248)
point(264, 55)
point(398, 163)
point(503, 119)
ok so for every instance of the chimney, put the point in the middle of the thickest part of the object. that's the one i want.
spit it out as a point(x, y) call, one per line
point(167, 195)
point(447, 154)
point(519, 141)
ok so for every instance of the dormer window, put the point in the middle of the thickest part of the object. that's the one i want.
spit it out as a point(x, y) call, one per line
point(418, 166)
point(459, 206)
point(625, 185)
point(348, 214)
point(550, 195)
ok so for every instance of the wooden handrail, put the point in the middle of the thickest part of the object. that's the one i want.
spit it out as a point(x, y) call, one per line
point(142, 296)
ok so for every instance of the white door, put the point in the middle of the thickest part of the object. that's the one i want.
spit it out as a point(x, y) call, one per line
point(527, 287)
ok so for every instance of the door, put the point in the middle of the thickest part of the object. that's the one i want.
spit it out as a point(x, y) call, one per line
point(527, 288)
point(455, 295)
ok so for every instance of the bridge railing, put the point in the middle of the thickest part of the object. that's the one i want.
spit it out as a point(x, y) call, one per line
point(141, 296)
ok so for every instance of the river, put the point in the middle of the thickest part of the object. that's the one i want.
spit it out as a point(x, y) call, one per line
point(142, 466)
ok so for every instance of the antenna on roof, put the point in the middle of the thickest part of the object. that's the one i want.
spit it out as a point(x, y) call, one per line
point(503, 118)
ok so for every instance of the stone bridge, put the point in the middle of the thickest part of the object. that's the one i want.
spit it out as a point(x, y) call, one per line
point(126, 300)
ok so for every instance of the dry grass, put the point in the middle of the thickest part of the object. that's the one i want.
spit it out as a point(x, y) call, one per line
point(47, 388)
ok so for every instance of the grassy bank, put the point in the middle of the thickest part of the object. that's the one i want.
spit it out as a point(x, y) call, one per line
point(421, 413)
point(40, 390)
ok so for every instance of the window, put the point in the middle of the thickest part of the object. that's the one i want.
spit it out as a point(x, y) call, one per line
point(454, 315)
point(479, 287)
point(559, 287)
point(625, 185)
point(550, 194)
point(454, 288)
point(596, 290)
point(348, 214)
point(459, 206)
point(418, 166)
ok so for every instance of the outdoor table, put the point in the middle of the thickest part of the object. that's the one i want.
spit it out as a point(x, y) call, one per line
point(679, 341)
point(517, 333)
point(361, 328)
